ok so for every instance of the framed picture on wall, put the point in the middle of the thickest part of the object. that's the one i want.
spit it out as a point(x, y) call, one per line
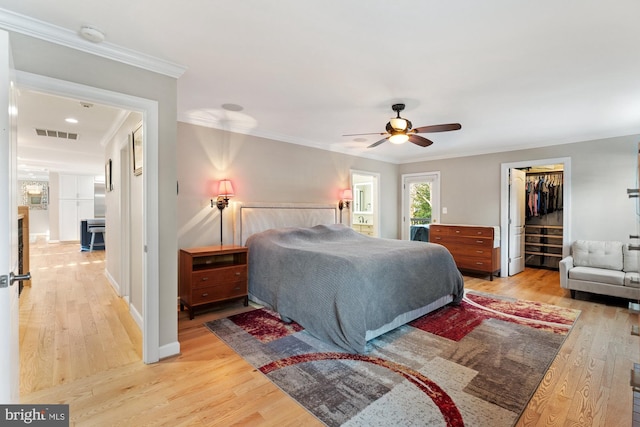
point(136, 138)
point(107, 175)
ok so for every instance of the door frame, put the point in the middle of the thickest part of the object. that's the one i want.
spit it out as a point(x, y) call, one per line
point(435, 201)
point(504, 205)
point(149, 110)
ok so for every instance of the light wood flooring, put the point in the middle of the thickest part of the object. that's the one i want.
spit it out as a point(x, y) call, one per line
point(79, 346)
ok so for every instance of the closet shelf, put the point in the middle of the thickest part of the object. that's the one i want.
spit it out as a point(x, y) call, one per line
point(544, 254)
point(553, 236)
point(550, 227)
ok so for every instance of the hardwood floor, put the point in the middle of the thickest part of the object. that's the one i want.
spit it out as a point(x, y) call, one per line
point(209, 385)
point(72, 323)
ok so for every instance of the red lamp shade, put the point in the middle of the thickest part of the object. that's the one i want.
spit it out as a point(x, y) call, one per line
point(225, 188)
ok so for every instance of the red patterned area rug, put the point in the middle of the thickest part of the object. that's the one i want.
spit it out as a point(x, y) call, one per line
point(474, 364)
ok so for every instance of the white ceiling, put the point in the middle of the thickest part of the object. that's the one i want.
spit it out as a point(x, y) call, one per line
point(515, 74)
point(38, 155)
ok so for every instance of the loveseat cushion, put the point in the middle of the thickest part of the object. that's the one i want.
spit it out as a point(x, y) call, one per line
point(600, 275)
point(597, 254)
point(630, 260)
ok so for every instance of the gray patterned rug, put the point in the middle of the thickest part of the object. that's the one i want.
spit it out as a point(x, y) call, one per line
point(475, 364)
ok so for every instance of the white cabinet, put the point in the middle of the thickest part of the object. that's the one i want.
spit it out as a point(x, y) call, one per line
point(76, 187)
point(76, 204)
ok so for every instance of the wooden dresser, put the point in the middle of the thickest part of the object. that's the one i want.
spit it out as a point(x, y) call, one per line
point(474, 248)
point(212, 274)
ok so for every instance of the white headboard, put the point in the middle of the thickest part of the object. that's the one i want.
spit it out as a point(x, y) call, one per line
point(253, 218)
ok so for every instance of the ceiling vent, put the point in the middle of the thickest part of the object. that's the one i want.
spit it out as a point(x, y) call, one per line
point(57, 134)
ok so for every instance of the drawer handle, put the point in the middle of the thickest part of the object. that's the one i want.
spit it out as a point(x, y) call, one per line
point(479, 241)
point(479, 263)
point(479, 252)
point(457, 231)
point(205, 294)
point(237, 288)
point(204, 279)
point(237, 273)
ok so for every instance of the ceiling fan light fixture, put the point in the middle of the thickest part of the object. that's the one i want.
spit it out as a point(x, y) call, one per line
point(398, 123)
point(398, 138)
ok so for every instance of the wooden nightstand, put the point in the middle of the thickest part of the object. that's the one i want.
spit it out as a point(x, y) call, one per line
point(212, 274)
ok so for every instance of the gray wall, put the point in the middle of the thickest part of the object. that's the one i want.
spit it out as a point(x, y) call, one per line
point(263, 170)
point(601, 171)
point(59, 62)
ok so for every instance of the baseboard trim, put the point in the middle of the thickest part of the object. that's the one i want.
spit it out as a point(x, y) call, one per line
point(137, 317)
point(114, 284)
point(169, 350)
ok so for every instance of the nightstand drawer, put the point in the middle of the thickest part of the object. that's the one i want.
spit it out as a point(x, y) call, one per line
point(219, 276)
point(218, 293)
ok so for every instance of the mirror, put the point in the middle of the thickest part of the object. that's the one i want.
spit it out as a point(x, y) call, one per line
point(35, 194)
point(363, 198)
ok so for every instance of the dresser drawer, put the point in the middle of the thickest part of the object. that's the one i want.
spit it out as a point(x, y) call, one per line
point(480, 264)
point(219, 276)
point(218, 292)
point(472, 232)
point(439, 230)
point(463, 241)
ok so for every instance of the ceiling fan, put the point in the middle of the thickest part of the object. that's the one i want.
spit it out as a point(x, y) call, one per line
point(399, 130)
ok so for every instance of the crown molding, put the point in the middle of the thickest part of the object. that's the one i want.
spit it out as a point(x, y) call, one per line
point(28, 26)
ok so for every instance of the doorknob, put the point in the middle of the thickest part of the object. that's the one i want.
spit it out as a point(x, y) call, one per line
point(6, 281)
point(18, 277)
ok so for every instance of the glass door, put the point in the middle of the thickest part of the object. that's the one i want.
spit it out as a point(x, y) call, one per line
point(421, 204)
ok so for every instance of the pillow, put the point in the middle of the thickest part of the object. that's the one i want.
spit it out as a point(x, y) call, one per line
point(597, 254)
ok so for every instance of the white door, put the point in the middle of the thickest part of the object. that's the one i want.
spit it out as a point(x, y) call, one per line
point(517, 195)
point(9, 343)
point(421, 202)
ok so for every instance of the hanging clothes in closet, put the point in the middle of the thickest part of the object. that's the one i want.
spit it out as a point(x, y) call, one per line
point(543, 194)
point(544, 219)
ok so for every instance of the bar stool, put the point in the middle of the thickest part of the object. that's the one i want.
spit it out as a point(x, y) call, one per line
point(94, 227)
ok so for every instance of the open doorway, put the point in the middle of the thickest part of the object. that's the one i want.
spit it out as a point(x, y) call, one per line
point(365, 213)
point(535, 222)
point(90, 326)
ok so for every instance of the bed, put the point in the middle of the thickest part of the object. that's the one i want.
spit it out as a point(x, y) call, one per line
point(341, 286)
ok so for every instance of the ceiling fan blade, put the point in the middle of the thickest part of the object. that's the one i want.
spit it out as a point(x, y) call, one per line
point(438, 128)
point(375, 144)
point(419, 140)
point(358, 134)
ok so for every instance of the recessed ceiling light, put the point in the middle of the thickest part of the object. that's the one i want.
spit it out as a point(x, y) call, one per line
point(232, 107)
point(71, 120)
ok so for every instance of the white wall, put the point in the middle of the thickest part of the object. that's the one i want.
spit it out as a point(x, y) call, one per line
point(263, 170)
point(602, 170)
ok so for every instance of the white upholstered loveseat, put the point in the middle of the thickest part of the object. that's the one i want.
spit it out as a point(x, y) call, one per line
point(606, 268)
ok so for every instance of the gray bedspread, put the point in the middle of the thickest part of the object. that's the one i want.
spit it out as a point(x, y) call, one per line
point(338, 284)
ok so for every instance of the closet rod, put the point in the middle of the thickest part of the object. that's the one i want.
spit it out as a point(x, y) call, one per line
point(545, 173)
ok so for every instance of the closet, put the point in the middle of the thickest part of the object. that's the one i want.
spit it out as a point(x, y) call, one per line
point(543, 223)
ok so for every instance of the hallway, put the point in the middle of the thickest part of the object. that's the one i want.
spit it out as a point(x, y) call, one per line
point(72, 323)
